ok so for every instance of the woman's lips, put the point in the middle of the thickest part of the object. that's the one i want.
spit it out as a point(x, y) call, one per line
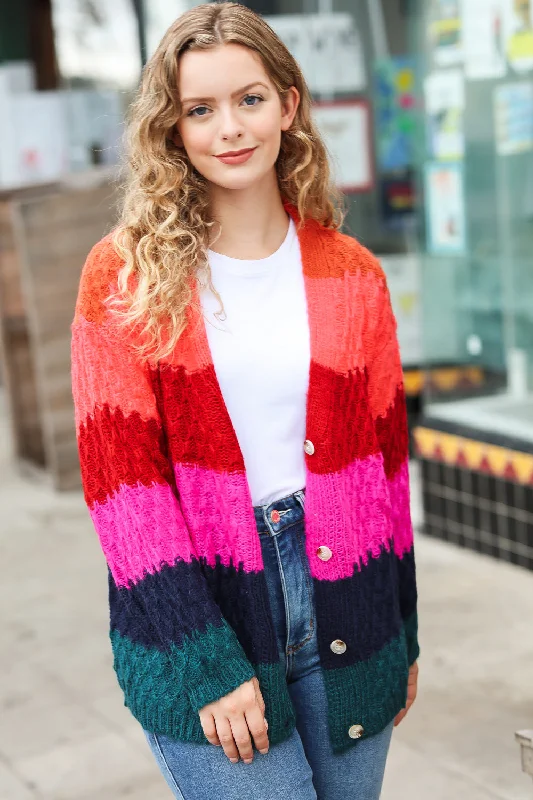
point(240, 158)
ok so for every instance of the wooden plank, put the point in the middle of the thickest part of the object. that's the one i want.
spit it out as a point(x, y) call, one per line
point(11, 300)
point(17, 367)
point(21, 390)
point(53, 236)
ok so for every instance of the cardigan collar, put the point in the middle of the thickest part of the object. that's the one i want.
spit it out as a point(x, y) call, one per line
point(315, 254)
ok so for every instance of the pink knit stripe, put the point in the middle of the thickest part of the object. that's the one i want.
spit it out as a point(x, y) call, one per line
point(140, 528)
point(108, 375)
point(219, 516)
point(349, 512)
point(401, 510)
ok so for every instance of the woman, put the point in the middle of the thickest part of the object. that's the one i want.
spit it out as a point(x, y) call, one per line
point(242, 436)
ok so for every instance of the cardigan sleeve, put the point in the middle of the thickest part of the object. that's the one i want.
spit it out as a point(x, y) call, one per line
point(387, 399)
point(161, 607)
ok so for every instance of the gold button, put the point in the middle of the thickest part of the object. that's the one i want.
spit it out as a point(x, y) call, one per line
point(309, 447)
point(356, 731)
point(324, 553)
point(338, 647)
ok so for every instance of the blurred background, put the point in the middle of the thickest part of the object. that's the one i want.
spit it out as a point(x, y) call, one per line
point(427, 111)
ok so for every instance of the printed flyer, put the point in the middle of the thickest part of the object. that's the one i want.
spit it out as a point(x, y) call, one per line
point(519, 34)
point(345, 126)
point(445, 32)
point(484, 39)
point(445, 208)
point(513, 116)
point(445, 101)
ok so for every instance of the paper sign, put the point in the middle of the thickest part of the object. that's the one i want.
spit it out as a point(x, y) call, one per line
point(345, 129)
point(484, 39)
point(513, 116)
point(293, 30)
point(403, 280)
point(445, 208)
point(445, 99)
point(445, 32)
point(519, 34)
point(327, 47)
point(33, 138)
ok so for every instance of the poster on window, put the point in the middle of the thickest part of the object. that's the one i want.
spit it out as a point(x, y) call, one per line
point(484, 39)
point(444, 94)
point(513, 118)
point(395, 112)
point(328, 48)
point(519, 34)
point(445, 32)
point(345, 127)
point(403, 280)
point(445, 208)
point(337, 53)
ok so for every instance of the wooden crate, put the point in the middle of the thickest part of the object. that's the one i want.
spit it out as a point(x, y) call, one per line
point(44, 240)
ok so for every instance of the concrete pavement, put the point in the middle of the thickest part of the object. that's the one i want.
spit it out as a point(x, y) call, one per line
point(65, 735)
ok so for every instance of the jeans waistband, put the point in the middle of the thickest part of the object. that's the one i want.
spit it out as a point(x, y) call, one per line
point(281, 514)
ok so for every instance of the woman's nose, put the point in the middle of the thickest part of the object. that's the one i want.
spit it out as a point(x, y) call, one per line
point(231, 126)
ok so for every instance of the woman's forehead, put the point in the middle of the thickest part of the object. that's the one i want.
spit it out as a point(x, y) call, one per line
point(220, 71)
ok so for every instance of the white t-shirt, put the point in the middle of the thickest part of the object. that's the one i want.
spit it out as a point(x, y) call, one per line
point(261, 354)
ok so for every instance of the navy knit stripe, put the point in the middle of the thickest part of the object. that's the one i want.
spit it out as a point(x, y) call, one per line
point(363, 611)
point(407, 579)
point(176, 600)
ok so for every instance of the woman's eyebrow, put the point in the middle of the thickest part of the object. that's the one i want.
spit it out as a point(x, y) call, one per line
point(234, 94)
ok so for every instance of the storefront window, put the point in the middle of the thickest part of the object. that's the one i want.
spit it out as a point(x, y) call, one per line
point(475, 441)
point(477, 237)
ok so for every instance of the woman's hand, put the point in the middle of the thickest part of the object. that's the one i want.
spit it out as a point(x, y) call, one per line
point(411, 692)
point(229, 722)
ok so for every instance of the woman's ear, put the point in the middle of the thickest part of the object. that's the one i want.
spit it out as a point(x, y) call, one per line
point(289, 107)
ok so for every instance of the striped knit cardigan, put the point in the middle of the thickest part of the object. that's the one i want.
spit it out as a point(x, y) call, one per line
point(165, 483)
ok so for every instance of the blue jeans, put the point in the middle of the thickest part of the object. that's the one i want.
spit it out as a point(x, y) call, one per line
point(304, 766)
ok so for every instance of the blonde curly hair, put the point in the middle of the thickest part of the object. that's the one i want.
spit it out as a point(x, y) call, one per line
point(163, 232)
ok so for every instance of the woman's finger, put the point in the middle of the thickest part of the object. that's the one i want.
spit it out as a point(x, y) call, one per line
point(241, 736)
point(257, 726)
point(400, 716)
point(225, 736)
point(209, 728)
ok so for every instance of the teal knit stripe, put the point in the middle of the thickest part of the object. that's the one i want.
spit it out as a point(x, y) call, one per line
point(206, 666)
point(369, 693)
point(411, 635)
point(154, 684)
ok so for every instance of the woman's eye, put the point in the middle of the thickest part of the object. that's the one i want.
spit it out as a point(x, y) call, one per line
point(194, 112)
point(253, 97)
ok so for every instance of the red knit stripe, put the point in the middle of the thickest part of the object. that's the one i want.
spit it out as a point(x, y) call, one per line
point(334, 397)
point(116, 450)
point(393, 435)
point(196, 419)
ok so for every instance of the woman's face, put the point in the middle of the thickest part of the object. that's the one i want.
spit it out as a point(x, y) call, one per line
point(230, 105)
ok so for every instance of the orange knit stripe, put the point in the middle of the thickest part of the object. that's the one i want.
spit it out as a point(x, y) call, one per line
point(108, 376)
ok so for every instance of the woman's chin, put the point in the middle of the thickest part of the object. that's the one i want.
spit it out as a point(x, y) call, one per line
point(240, 180)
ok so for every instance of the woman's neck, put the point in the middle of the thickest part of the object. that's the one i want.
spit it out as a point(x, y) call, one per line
point(252, 222)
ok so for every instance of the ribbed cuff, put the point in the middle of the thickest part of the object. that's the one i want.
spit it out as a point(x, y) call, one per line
point(216, 666)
